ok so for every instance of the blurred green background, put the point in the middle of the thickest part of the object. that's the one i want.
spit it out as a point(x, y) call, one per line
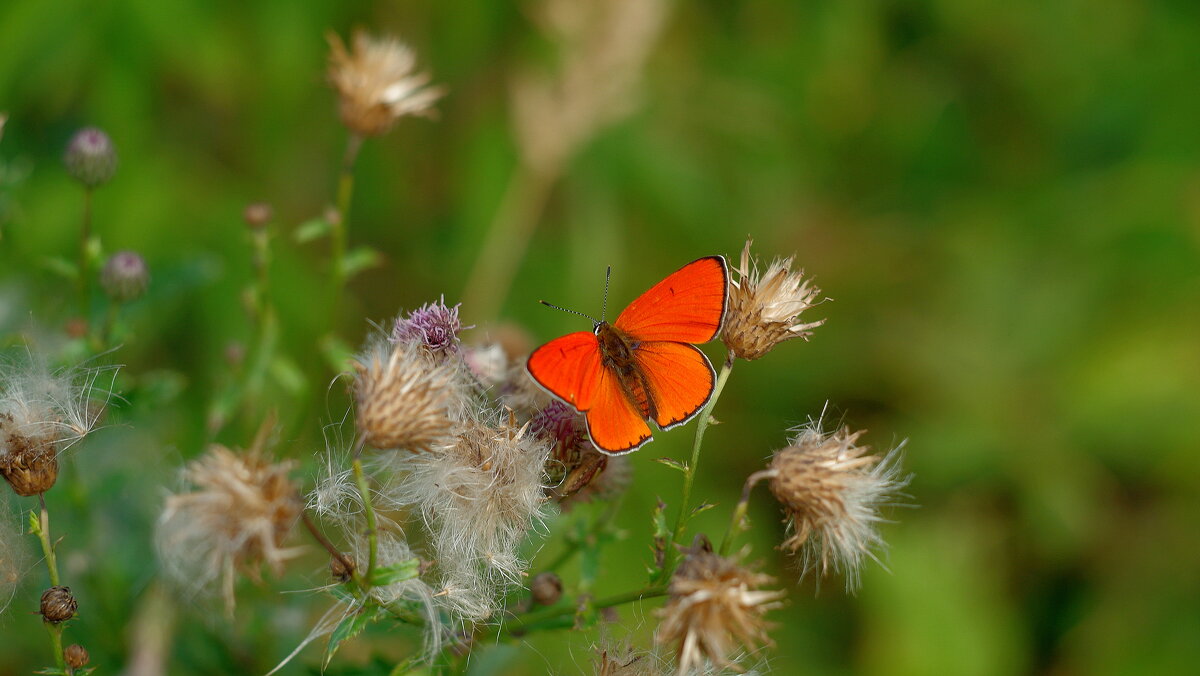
point(1003, 200)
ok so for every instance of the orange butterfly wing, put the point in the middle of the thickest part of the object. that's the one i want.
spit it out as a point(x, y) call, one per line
point(569, 367)
point(686, 307)
point(679, 378)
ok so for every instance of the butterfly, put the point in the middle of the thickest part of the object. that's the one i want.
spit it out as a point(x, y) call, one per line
point(644, 366)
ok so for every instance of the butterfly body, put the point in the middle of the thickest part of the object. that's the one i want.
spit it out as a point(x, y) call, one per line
point(643, 366)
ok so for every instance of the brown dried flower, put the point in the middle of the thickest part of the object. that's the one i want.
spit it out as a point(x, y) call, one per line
point(764, 308)
point(546, 588)
point(58, 605)
point(76, 656)
point(402, 397)
point(238, 517)
point(831, 491)
point(715, 603)
point(376, 83)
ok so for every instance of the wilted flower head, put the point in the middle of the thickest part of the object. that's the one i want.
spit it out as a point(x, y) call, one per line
point(479, 492)
point(403, 398)
point(764, 308)
point(41, 414)
point(715, 604)
point(376, 83)
point(831, 491)
point(91, 158)
point(125, 276)
point(574, 461)
point(434, 326)
point(237, 516)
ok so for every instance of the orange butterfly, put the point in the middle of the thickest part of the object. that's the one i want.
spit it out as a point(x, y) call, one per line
point(643, 366)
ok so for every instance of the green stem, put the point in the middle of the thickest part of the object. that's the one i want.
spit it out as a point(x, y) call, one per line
point(739, 513)
point(563, 611)
point(690, 475)
point(333, 551)
point(110, 321)
point(47, 546)
point(341, 224)
point(364, 490)
point(85, 275)
point(55, 631)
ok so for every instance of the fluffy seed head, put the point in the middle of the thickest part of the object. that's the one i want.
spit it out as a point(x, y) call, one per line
point(125, 276)
point(479, 493)
point(764, 308)
point(831, 491)
point(90, 157)
point(714, 605)
point(42, 413)
point(434, 326)
point(376, 83)
point(76, 656)
point(237, 516)
point(403, 398)
point(58, 605)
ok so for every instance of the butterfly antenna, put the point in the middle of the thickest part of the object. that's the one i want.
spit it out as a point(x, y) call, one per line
point(604, 307)
point(574, 312)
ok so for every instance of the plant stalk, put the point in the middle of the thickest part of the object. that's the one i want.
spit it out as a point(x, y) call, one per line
point(345, 190)
point(85, 275)
point(364, 490)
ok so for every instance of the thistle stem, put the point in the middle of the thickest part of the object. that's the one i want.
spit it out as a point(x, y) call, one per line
point(329, 547)
point(563, 611)
point(337, 273)
point(47, 546)
point(372, 537)
point(739, 512)
point(689, 475)
point(55, 631)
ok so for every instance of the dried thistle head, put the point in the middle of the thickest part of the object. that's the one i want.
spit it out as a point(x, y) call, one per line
point(831, 490)
point(715, 604)
point(403, 399)
point(42, 413)
point(58, 605)
point(236, 518)
point(433, 326)
point(764, 308)
point(377, 84)
point(479, 493)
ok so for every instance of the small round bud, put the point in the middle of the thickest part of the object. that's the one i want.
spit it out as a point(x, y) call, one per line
point(341, 568)
point(125, 276)
point(258, 215)
point(58, 605)
point(76, 656)
point(546, 588)
point(91, 158)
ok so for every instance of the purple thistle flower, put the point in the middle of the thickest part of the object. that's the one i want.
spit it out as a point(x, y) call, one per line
point(434, 325)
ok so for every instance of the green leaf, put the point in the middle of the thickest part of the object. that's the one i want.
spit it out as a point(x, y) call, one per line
point(288, 375)
point(35, 524)
point(51, 671)
point(61, 267)
point(673, 464)
point(405, 570)
point(352, 625)
point(362, 258)
point(312, 229)
point(703, 507)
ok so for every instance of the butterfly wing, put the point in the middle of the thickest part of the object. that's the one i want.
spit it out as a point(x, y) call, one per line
point(686, 307)
point(679, 379)
point(570, 368)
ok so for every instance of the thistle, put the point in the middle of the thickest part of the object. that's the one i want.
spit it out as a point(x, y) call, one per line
point(377, 83)
point(831, 491)
point(764, 308)
point(403, 399)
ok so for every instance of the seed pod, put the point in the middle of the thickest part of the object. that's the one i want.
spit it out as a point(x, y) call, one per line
point(58, 605)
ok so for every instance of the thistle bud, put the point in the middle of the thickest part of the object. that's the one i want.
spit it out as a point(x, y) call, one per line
point(76, 656)
point(91, 158)
point(125, 276)
point(258, 215)
point(58, 605)
point(546, 589)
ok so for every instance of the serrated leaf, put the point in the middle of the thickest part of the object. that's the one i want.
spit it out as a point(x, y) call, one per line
point(702, 507)
point(310, 230)
point(405, 570)
point(673, 464)
point(35, 524)
point(352, 625)
point(362, 258)
point(61, 267)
